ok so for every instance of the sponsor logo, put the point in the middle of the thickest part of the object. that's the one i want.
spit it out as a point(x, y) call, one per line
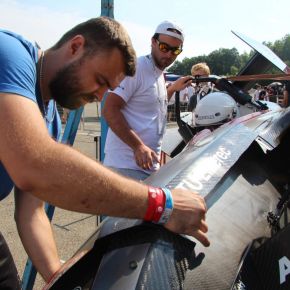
point(284, 268)
point(205, 117)
point(208, 167)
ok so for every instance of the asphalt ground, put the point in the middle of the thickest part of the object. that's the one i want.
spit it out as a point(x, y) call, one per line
point(70, 229)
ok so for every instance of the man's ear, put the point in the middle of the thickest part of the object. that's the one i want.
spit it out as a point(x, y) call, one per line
point(77, 44)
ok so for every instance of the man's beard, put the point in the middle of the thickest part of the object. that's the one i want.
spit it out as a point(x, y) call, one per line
point(163, 63)
point(65, 87)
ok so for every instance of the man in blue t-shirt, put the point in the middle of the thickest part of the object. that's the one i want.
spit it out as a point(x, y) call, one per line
point(88, 60)
point(24, 75)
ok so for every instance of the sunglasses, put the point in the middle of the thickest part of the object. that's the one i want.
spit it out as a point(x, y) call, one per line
point(164, 47)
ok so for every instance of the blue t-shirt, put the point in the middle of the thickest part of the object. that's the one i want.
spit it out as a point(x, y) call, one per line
point(18, 58)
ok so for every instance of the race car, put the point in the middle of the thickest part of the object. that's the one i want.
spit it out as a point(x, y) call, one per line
point(242, 169)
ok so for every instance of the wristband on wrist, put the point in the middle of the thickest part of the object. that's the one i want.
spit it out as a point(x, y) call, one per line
point(160, 205)
point(168, 208)
point(156, 204)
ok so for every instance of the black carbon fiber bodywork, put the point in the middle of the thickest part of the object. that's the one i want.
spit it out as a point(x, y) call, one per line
point(264, 267)
point(146, 256)
point(245, 186)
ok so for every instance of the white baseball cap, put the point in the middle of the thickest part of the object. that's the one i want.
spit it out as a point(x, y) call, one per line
point(170, 29)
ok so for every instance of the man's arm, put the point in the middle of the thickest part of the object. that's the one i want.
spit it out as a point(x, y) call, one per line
point(35, 232)
point(178, 85)
point(60, 175)
point(57, 173)
point(144, 155)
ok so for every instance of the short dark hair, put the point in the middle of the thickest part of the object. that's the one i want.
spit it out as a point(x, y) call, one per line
point(103, 33)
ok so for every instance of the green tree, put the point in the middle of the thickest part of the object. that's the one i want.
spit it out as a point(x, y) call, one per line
point(226, 61)
point(220, 61)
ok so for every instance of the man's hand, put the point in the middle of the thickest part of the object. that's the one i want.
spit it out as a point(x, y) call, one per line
point(145, 156)
point(188, 216)
point(180, 84)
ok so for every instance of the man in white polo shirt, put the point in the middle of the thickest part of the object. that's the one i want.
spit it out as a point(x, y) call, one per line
point(136, 111)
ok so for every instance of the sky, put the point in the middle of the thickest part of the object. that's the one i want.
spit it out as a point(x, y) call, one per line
point(207, 26)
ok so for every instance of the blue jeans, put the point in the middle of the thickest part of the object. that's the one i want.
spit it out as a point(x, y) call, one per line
point(133, 173)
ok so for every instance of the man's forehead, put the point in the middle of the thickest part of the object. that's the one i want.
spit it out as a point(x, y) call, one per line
point(112, 68)
point(200, 72)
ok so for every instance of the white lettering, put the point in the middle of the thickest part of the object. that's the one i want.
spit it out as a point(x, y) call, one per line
point(208, 167)
point(284, 268)
point(191, 184)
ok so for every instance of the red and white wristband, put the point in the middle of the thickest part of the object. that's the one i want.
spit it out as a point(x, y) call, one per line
point(160, 205)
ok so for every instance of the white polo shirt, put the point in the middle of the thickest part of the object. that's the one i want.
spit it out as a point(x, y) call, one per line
point(145, 95)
